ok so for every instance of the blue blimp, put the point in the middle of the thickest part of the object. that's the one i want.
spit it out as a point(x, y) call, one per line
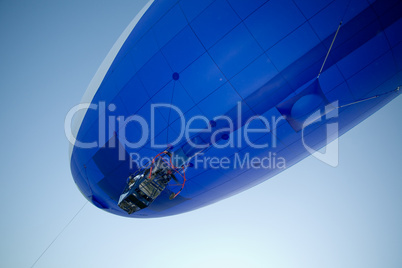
point(200, 100)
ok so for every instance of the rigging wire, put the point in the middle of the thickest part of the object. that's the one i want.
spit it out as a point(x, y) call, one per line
point(369, 98)
point(170, 164)
point(170, 110)
point(333, 40)
point(54, 240)
point(329, 50)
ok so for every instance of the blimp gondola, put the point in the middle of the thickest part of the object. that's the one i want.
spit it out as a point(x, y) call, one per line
point(200, 100)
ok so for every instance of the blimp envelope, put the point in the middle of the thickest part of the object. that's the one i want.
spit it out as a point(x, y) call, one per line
point(240, 75)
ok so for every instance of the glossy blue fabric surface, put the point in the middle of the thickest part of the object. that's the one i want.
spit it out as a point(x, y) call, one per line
point(259, 53)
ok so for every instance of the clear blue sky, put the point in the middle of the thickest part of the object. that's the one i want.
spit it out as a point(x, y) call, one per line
point(311, 215)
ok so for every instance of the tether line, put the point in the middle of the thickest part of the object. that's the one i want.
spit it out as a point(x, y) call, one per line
point(54, 240)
